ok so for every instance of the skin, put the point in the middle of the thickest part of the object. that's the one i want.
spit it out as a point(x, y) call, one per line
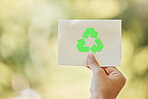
point(107, 82)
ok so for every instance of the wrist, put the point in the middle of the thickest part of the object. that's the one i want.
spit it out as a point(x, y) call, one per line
point(100, 96)
point(97, 96)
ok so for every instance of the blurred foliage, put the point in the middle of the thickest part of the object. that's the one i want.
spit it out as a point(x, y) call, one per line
point(28, 47)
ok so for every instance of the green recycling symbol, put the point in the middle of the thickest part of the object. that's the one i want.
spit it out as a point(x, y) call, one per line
point(81, 46)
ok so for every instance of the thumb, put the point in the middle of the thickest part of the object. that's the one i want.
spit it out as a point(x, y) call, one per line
point(92, 63)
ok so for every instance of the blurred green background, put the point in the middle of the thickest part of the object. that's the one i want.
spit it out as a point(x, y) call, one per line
point(28, 47)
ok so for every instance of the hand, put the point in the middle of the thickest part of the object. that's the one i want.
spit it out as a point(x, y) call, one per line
point(106, 81)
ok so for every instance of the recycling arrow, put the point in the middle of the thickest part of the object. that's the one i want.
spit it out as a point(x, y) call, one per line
point(90, 31)
point(80, 46)
point(97, 48)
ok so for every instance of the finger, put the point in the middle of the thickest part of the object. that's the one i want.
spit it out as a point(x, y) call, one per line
point(110, 69)
point(114, 73)
point(92, 62)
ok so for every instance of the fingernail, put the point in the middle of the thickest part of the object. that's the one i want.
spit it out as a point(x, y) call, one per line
point(90, 56)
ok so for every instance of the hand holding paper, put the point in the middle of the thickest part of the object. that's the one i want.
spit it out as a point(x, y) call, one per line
point(106, 82)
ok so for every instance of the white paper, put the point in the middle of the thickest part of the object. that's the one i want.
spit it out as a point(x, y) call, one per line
point(109, 32)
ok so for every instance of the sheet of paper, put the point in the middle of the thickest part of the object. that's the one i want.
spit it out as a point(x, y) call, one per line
point(78, 38)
